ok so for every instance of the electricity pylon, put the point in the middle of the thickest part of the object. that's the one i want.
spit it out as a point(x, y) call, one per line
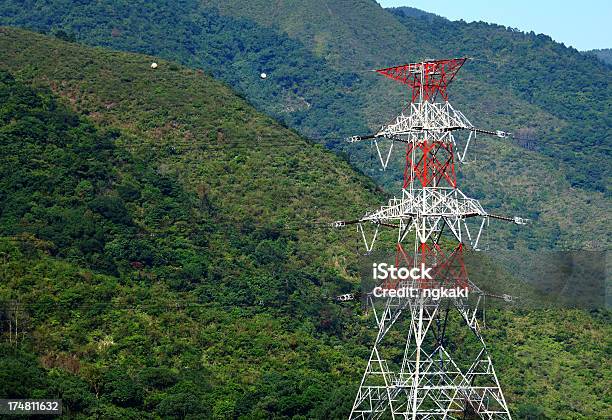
point(426, 378)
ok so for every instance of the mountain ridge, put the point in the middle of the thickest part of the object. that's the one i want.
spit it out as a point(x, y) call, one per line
point(604, 54)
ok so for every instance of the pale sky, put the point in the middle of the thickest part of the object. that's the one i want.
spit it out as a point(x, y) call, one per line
point(584, 25)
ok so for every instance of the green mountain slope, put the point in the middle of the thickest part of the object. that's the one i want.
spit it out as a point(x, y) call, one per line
point(159, 254)
point(234, 50)
point(156, 253)
point(316, 54)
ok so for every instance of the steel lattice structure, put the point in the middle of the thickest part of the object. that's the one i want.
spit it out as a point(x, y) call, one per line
point(429, 382)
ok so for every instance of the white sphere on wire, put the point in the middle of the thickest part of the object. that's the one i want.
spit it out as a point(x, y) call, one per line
point(153, 65)
point(263, 75)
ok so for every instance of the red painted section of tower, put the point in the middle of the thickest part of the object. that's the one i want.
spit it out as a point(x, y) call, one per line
point(432, 164)
point(447, 270)
point(432, 77)
point(451, 271)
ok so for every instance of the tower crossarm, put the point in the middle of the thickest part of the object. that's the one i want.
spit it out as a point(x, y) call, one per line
point(426, 79)
point(400, 134)
point(426, 202)
point(426, 117)
point(516, 219)
point(395, 211)
point(433, 122)
point(378, 135)
point(498, 133)
point(425, 211)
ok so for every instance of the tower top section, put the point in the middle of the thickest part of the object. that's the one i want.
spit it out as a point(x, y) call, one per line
point(427, 78)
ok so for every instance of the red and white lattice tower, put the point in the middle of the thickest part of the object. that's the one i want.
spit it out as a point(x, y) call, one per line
point(435, 222)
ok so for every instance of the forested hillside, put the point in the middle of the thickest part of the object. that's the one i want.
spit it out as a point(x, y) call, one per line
point(161, 251)
point(605, 54)
point(317, 58)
